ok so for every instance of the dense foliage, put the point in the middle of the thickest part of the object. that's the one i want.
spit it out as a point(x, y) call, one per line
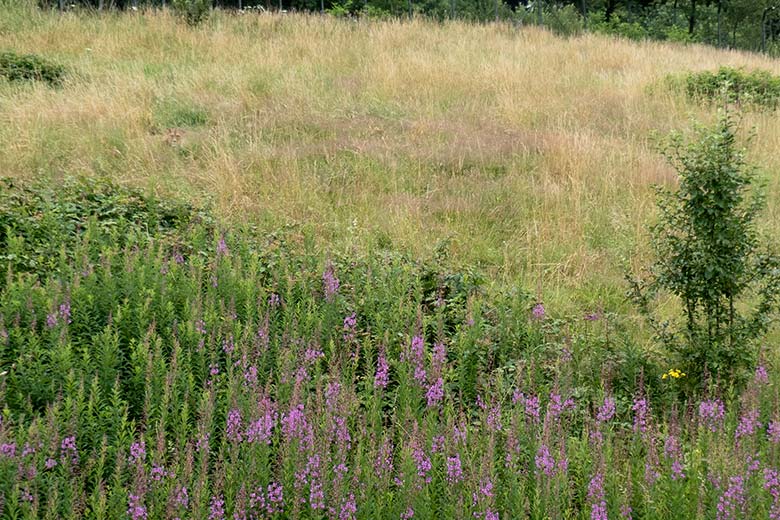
point(757, 88)
point(30, 67)
point(173, 371)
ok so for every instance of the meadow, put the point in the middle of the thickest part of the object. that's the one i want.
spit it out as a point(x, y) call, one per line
point(292, 266)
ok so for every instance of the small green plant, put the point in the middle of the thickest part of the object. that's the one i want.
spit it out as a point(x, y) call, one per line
point(758, 88)
point(174, 112)
point(30, 67)
point(193, 12)
point(709, 255)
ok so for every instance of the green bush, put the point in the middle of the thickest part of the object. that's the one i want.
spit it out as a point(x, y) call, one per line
point(709, 255)
point(757, 88)
point(30, 67)
point(192, 11)
point(40, 225)
point(564, 21)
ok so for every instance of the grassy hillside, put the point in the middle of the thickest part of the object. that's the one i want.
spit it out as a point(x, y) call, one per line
point(531, 154)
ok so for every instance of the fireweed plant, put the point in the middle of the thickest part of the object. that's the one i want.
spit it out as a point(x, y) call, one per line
point(186, 372)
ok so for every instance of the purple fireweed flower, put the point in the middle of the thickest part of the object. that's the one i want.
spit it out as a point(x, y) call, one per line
point(607, 410)
point(494, 419)
point(761, 376)
point(137, 452)
point(261, 430)
point(203, 443)
point(423, 463)
point(772, 485)
point(330, 283)
point(626, 512)
point(640, 415)
point(50, 463)
point(408, 514)
point(312, 355)
point(773, 429)
point(459, 433)
point(486, 488)
point(233, 428)
point(158, 473)
point(383, 463)
point(538, 311)
point(64, 312)
point(181, 499)
point(748, 424)
point(295, 426)
point(673, 453)
point(228, 345)
point(340, 431)
point(274, 300)
point(437, 444)
point(27, 496)
point(382, 372)
point(732, 504)
point(532, 408)
point(439, 356)
point(8, 450)
point(348, 508)
point(350, 328)
point(557, 405)
point(332, 391)
point(545, 463)
point(135, 508)
point(200, 327)
point(711, 413)
point(435, 393)
point(491, 515)
point(597, 497)
point(753, 463)
point(68, 450)
point(593, 316)
point(275, 502)
point(222, 248)
point(651, 474)
point(51, 320)
point(316, 495)
point(454, 469)
point(416, 357)
point(217, 508)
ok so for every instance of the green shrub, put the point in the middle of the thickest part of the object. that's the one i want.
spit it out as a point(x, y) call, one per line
point(40, 225)
point(30, 67)
point(564, 21)
point(728, 85)
point(192, 11)
point(710, 257)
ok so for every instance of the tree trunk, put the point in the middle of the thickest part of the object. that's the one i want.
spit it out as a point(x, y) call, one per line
point(692, 18)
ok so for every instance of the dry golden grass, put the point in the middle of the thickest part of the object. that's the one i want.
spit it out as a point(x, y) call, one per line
point(533, 153)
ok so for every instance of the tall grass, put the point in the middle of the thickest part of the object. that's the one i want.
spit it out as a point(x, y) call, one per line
point(529, 153)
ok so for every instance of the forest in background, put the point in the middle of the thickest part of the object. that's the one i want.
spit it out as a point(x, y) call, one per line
point(737, 24)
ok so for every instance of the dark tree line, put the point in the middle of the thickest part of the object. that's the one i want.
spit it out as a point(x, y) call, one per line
point(744, 24)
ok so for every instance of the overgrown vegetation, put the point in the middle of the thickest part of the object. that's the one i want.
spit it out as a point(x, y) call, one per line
point(30, 67)
point(253, 377)
point(757, 88)
point(41, 224)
